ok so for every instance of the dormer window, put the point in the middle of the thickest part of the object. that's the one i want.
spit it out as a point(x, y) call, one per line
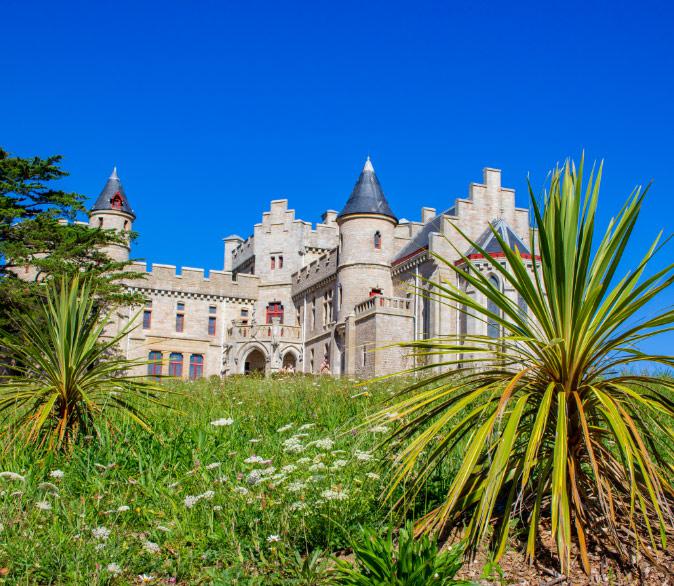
point(377, 240)
point(116, 201)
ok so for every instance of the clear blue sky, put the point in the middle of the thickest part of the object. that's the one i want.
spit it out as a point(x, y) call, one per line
point(211, 109)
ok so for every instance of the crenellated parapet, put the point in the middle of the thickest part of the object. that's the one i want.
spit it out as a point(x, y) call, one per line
point(315, 274)
point(194, 282)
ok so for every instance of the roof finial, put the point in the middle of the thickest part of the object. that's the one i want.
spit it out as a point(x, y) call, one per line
point(113, 175)
point(368, 165)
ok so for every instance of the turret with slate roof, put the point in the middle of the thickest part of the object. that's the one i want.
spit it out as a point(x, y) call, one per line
point(112, 211)
point(367, 196)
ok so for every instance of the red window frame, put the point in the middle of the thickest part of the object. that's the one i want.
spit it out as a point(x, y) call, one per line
point(116, 201)
point(375, 293)
point(211, 325)
point(196, 366)
point(274, 309)
point(176, 364)
point(273, 263)
point(154, 364)
point(377, 240)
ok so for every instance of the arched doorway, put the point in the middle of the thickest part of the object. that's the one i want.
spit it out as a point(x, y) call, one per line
point(290, 362)
point(255, 362)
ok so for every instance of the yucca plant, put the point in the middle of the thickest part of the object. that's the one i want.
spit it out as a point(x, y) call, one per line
point(64, 377)
point(553, 424)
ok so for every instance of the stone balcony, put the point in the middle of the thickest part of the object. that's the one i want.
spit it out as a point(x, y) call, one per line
point(381, 304)
point(242, 331)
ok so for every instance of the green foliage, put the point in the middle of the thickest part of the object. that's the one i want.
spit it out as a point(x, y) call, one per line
point(548, 420)
point(37, 230)
point(65, 377)
point(414, 562)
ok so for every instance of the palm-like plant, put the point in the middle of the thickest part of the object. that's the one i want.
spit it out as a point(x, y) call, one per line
point(551, 419)
point(65, 376)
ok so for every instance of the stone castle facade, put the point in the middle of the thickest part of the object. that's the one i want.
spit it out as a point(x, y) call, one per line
point(324, 298)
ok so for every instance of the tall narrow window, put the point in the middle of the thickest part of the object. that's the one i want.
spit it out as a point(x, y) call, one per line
point(313, 313)
point(311, 360)
point(339, 297)
point(211, 325)
point(180, 317)
point(196, 366)
point(377, 240)
point(493, 327)
point(273, 263)
point(147, 315)
point(274, 311)
point(175, 364)
point(100, 222)
point(280, 262)
point(154, 364)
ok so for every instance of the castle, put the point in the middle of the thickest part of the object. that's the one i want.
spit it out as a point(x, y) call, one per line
point(327, 298)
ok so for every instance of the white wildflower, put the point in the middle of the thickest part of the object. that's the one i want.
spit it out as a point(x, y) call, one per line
point(146, 578)
point(240, 490)
point(334, 495)
point(289, 468)
point(208, 495)
point(363, 456)
point(254, 478)
point(49, 487)
point(163, 528)
point(57, 474)
point(101, 533)
point(293, 445)
point(217, 508)
point(255, 440)
point(12, 476)
point(324, 444)
point(273, 539)
point(114, 569)
point(123, 508)
point(304, 460)
point(284, 428)
point(317, 467)
point(379, 429)
point(255, 460)
point(392, 415)
point(372, 475)
point(296, 487)
point(43, 505)
point(339, 464)
point(190, 501)
point(306, 426)
point(298, 506)
point(151, 547)
point(214, 465)
point(222, 422)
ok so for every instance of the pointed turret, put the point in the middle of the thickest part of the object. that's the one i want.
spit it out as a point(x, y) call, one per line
point(113, 197)
point(367, 196)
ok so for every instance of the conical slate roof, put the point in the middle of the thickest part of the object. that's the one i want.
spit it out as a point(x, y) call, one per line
point(112, 188)
point(367, 196)
point(488, 242)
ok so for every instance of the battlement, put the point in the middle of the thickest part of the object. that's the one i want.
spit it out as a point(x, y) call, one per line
point(315, 272)
point(194, 281)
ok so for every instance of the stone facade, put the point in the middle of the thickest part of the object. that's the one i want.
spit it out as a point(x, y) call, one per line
point(326, 298)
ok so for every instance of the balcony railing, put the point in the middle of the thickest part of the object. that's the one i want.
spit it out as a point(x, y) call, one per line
point(380, 302)
point(245, 331)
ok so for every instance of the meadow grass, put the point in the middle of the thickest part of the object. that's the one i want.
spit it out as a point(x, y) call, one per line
point(238, 483)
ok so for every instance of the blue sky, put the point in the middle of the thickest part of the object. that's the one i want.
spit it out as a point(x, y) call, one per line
point(211, 109)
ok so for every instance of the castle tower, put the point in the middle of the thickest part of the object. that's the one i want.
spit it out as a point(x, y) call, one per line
point(113, 212)
point(366, 226)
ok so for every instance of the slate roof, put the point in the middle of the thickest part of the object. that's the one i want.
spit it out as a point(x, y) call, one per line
point(367, 196)
point(420, 240)
point(488, 242)
point(112, 187)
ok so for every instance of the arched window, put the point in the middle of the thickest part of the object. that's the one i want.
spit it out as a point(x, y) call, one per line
point(377, 240)
point(196, 366)
point(176, 364)
point(100, 222)
point(493, 327)
point(116, 201)
point(154, 364)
